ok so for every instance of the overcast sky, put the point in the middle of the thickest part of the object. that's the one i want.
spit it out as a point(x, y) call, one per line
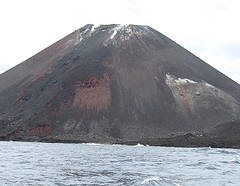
point(208, 28)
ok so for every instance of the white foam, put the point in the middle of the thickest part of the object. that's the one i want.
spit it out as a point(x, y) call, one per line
point(117, 145)
point(93, 144)
point(233, 160)
point(140, 145)
point(155, 178)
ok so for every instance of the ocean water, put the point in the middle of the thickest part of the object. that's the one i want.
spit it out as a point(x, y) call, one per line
point(25, 163)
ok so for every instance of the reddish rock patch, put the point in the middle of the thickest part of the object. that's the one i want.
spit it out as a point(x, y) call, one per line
point(40, 130)
point(93, 94)
point(106, 64)
point(186, 96)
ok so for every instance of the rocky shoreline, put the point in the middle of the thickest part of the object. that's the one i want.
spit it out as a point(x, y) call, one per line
point(187, 140)
point(216, 138)
point(225, 135)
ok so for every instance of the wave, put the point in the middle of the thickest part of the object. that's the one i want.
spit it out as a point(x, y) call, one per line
point(147, 180)
point(177, 184)
point(234, 160)
point(156, 180)
point(222, 151)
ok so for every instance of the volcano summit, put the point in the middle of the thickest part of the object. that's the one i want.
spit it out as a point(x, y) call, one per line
point(123, 84)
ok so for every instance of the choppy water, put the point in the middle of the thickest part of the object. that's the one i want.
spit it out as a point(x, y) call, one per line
point(23, 163)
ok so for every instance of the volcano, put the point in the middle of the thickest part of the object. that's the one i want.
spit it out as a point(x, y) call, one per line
point(124, 84)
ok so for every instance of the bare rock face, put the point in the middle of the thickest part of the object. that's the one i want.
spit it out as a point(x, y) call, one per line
point(115, 84)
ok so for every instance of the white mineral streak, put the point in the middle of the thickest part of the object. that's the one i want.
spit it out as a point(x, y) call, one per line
point(173, 81)
point(178, 81)
point(93, 28)
point(115, 30)
point(124, 31)
point(80, 36)
point(184, 81)
point(86, 33)
point(209, 85)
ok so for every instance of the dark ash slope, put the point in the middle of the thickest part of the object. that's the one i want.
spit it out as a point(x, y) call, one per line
point(114, 84)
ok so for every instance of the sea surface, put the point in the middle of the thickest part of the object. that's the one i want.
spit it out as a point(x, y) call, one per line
point(32, 163)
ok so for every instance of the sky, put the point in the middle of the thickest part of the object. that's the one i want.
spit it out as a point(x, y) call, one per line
point(208, 28)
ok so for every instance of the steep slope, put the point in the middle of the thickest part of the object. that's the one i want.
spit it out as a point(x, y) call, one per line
point(114, 83)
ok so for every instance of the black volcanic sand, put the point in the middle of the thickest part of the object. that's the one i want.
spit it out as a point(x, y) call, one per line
point(123, 84)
